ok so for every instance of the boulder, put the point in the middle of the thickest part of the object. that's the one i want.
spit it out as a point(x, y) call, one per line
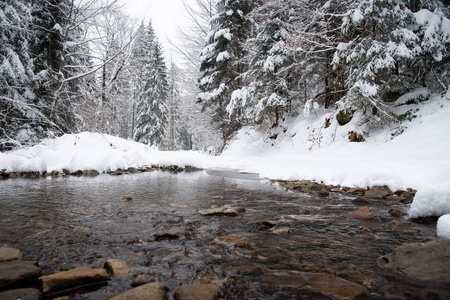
point(233, 240)
point(318, 283)
point(379, 192)
point(22, 294)
point(198, 291)
point(149, 291)
point(142, 279)
point(363, 213)
point(225, 210)
point(118, 268)
point(18, 274)
point(8, 254)
point(72, 278)
point(422, 264)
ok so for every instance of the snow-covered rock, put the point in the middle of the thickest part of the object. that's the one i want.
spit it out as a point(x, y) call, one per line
point(443, 227)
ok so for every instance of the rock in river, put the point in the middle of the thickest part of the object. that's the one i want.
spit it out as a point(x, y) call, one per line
point(118, 268)
point(378, 192)
point(363, 213)
point(72, 278)
point(198, 291)
point(225, 210)
point(233, 240)
point(318, 283)
point(149, 291)
point(22, 294)
point(8, 253)
point(18, 274)
point(423, 264)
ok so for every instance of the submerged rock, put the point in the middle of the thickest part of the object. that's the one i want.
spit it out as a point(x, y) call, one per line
point(118, 268)
point(423, 264)
point(168, 235)
point(233, 241)
point(225, 210)
point(18, 274)
point(318, 283)
point(8, 253)
point(198, 291)
point(149, 291)
point(72, 278)
point(127, 198)
point(363, 213)
point(22, 294)
point(142, 279)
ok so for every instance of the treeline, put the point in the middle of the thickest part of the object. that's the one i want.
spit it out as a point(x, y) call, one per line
point(74, 65)
point(267, 59)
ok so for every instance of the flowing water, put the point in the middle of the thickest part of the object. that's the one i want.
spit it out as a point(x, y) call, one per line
point(64, 223)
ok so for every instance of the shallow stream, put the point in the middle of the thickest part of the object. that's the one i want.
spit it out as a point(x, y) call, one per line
point(64, 223)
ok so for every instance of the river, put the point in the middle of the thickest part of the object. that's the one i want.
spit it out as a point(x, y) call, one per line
point(64, 223)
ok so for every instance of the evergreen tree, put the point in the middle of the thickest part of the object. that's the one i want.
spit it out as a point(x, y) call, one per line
point(151, 88)
point(389, 50)
point(267, 82)
point(222, 61)
point(21, 112)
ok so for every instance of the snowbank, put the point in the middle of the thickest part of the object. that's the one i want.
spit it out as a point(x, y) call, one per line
point(443, 227)
point(413, 154)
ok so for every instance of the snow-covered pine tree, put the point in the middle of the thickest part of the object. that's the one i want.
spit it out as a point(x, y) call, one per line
point(151, 89)
point(267, 91)
point(222, 61)
point(388, 50)
point(20, 114)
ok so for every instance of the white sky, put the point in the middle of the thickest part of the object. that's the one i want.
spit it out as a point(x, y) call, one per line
point(166, 15)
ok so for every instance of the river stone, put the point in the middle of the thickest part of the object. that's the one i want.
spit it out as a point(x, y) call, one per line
point(319, 283)
point(356, 191)
point(379, 192)
point(233, 241)
point(72, 278)
point(423, 264)
point(118, 268)
point(149, 291)
point(280, 230)
point(142, 279)
point(404, 227)
point(168, 235)
point(8, 254)
point(363, 213)
point(18, 274)
point(225, 210)
point(127, 198)
point(198, 291)
point(22, 294)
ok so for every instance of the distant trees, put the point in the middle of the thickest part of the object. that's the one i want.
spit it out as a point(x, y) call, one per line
point(151, 89)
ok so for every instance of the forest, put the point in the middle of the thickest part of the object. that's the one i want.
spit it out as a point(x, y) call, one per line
point(69, 66)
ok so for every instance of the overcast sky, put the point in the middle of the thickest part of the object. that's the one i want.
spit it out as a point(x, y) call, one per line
point(166, 15)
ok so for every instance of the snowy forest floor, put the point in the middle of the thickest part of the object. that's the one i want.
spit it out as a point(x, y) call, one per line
point(412, 154)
